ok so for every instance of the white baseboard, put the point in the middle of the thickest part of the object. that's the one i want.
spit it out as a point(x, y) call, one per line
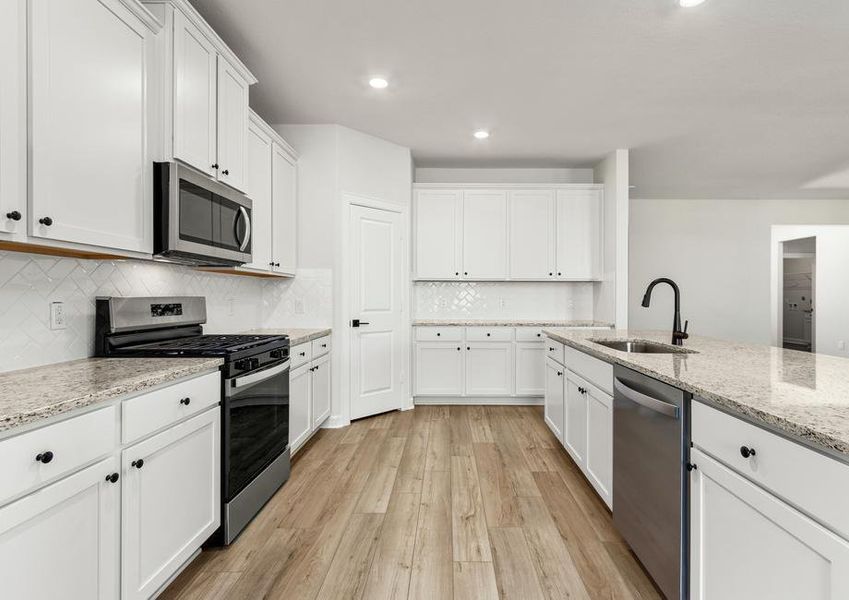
point(482, 400)
point(335, 422)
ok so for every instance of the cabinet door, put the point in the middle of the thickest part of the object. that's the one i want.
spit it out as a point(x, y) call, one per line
point(195, 93)
point(489, 369)
point(171, 501)
point(63, 540)
point(600, 443)
point(484, 234)
point(530, 369)
point(284, 210)
point(13, 118)
point(259, 191)
point(232, 126)
point(300, 406)
point(746, 543)
point(532, 247)
point(579, 234)
point(320, 390)
point(439, 369)
point(91, 175)
point(575, 427)
point(438, 234)
point(554, 388)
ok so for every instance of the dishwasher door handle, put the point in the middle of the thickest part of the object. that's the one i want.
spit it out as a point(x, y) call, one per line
point(658, 406)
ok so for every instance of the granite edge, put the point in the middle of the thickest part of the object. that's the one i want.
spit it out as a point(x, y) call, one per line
point(508, 323)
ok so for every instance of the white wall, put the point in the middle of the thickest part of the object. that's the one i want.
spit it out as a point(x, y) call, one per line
point(452, 175)
point(718, 251)
point(611, 294)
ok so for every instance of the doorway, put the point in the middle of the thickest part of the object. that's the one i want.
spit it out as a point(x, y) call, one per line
point(798, 306)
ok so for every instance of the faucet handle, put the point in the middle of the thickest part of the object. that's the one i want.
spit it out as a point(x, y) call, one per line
point(684, 334)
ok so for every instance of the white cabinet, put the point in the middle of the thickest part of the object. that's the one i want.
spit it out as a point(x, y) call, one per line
point(438, 239)
point(310, 390)
point(259, 191)
point(530, 368)
point(300, 406)
point(747, 543)
point(90, 170)
point(171, 501)
point(489, 368)
point(63, 540)
point(579, 234)
point(554, 389)
point(439, 368)
point(321, 382)
point(600, 442)
point(284, 189)
point(575, 419)
point(232, 125)
point(13, 119)
point(484, 234)
point(532, 234)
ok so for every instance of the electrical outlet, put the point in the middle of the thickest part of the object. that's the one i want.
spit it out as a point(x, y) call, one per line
point(502, 303)
point(57, 315)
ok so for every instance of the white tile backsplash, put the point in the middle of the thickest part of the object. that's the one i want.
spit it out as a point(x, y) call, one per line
point(503, 300)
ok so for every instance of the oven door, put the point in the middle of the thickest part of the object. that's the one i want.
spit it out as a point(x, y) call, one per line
point(255, 425)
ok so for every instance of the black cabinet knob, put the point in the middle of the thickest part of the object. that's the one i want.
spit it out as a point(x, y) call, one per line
point(185, 401)
point(466, 273)
point(539, 335)
point(559, 373)
point(551, 349)
point(550, 274)
point(225, 172)
point(746, 452)
point(14, 215)
point(276, 264)
point(456, 272)
point(137, 463)
point(44, 457)
point(438, 334)
point(468, 347)
point(324, 345)
point(271, 264)
point(46, 221)
point(215, 165)
point(458, 348)
point(559, 273)
point(691, 467)
point(488, 334)
point(113, 478)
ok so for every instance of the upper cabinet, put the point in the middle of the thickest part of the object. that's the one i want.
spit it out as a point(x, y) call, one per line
point(13, 119)
point(259, 191)
point(232, 125)
point(284, 194)
point(509, 233)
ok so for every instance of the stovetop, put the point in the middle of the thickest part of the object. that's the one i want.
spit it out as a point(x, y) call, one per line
point(226, 346)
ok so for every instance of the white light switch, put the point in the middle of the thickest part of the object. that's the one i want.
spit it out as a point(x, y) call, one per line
point(57, 315)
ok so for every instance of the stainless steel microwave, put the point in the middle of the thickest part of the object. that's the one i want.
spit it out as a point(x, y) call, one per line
point(197, 220)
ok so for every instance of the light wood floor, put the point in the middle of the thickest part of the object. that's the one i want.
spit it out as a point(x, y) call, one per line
point(461, 502)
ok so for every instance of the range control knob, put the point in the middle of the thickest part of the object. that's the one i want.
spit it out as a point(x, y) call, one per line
point(276, 354)
point(243, 365)
point(254, 362)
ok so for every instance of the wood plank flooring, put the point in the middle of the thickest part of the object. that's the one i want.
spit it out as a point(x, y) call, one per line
point(460, 502)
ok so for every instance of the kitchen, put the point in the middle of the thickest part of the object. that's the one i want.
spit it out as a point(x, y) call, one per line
point(300, 303)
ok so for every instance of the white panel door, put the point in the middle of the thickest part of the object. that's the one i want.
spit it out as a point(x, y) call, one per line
point(284, 189)
point(171, 501)
point(489, 369)
point(321, 382)
point(91, 174)
point(554, 407)
point(195, 94)
point(377, 295)
point(259, 191)
point(579, 234)
point(439, 233)
point(746, 543)
point(300, 405)
point(600, 443)
point(575, 425)
point(530, 369)
point(439, 369)
point(13, 117)
point(484, 234)
point(63, 540)
point(532, 234)
point(232, 126)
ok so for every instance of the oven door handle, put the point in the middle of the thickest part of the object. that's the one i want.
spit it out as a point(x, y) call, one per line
point(653, 404)
point(261, 375)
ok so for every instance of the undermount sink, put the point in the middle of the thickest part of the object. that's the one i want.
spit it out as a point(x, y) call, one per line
point(641, 347)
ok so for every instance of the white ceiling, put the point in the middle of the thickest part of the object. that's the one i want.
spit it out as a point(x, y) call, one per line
point(732, 99)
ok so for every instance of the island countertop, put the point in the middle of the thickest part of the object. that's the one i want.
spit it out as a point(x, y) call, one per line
point(804, 396)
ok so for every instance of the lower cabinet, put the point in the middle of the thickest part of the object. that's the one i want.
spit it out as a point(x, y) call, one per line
point(309, 395)
point(530, 369)
point(439, 369)
point(747, 543)
point(62, 541)
point(575, 427)
point(599, 463)
point(171, 501)
point(489, 369)
point(554, 407)
point(321, 382)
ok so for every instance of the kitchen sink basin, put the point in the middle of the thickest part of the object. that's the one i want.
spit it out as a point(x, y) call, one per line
point(641, 347)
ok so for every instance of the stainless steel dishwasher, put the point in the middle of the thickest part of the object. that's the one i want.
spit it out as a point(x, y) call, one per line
point(651, 449)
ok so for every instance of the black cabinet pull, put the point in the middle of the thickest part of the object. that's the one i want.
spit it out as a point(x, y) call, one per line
point(113, 478)
point(456, 272)
point(488, 334)
point(691, 467)
point(468, 347)
point(438, 334)
point(551, 274)
point(324, 345)
point(539, 335)
point(458, 348)
point(551, 349)
point(44, 457)
point(185, 401)
point(466, 273)
point(14, 215)
point(559, 273)
point(303, 353)
point(746, 452)
point(225, 172)
point(215, 165)
point(137, 463)
point(271, 264)
point(559, 373)
point(46, 221)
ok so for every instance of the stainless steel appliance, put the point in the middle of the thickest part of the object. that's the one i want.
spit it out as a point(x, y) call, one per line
point(254, 397)
point(198, 220)
point(651, 449)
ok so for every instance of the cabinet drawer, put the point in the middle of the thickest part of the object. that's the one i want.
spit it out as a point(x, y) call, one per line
point(816, 484)
point(320, 346)
point(489, 334)
point(301, 354)
point(529, 334)
point(554, 350)
point(439, 334)
point(147, 413)
point(65, 446)
point(592, 369)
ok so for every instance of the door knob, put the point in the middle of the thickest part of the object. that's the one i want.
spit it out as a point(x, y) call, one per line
point(14, 215)
point(357, 323)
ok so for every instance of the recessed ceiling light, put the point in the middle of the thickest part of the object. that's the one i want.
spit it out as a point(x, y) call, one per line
point(481, 134)
point(689, 3)
point(378, 83)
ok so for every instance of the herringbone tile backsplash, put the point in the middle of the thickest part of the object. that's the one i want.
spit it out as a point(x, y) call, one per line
point(29, 283)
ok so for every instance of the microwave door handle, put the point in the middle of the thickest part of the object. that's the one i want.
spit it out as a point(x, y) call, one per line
point(244, 243)
point(261, 375)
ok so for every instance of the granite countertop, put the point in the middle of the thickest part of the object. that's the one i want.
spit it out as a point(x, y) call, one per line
point(296, 336)
point(506, 323)
point(33, 394)
point(803, 395)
